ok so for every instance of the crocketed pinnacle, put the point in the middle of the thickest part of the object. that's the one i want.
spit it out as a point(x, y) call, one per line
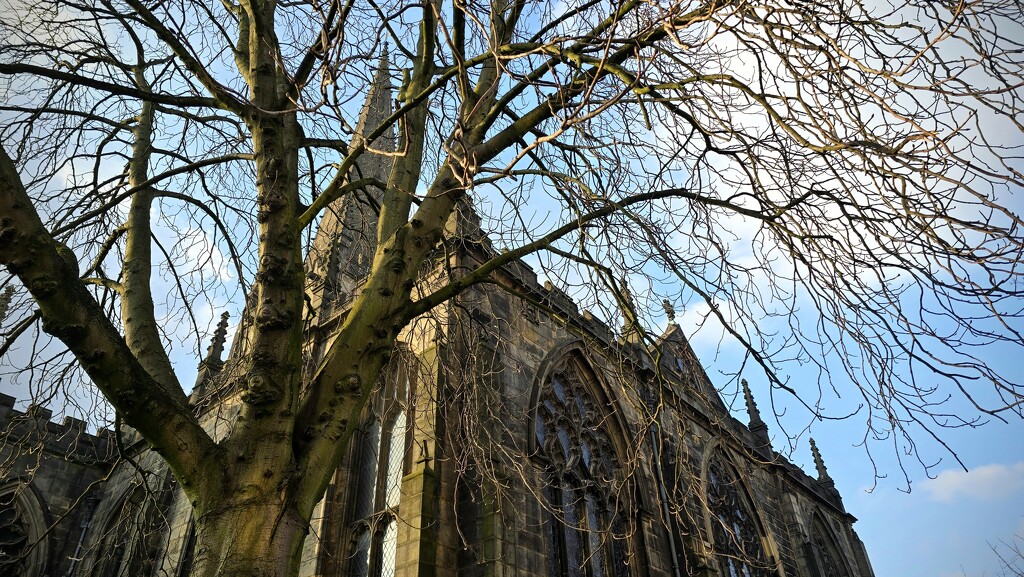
point(757, 425)
point(819, 464)
point(216, 350)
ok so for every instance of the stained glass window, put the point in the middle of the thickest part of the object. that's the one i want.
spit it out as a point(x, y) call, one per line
point(378, 482)
point(585, 529)
point(737, 539)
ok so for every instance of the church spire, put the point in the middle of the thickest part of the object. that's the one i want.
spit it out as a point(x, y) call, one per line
point(378, 106)
point(346, 237)
point(756, 426)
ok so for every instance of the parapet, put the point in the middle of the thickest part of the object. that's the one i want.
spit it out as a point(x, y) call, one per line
point(67, 439)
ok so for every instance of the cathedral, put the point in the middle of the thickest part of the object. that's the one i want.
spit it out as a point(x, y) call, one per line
point(512, 434)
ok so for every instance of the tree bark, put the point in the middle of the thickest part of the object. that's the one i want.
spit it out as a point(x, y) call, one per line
point(259, 537)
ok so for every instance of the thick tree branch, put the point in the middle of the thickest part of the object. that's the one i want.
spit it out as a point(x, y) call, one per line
point(50, 272)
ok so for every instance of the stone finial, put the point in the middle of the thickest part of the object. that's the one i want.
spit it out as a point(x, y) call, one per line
point(5, 301)
point(757, 425)
point(670, 311)
point(819, 464)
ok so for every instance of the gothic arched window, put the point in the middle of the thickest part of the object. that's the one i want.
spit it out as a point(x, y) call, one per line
point(124, 546)
point(676, 484)
point(23, 531)
point(585, 528)
point(737, 539)
point(827, 557)
point(378, 481)
point(14, 534)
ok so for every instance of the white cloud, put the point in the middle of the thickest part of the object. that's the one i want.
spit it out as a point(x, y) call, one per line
point(985, 483)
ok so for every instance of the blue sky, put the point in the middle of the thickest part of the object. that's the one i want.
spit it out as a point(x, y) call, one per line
point(944, 526)
point(916, 523)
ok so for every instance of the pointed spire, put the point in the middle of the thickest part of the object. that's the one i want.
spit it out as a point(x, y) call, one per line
point(757, 426)
point(5, 301)
point(823, 477)
point(378, 106)
point(819, 464)
point(346, 237)
point(216, 349)
point(212, 364)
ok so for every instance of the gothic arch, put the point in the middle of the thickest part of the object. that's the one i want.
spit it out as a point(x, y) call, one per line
point(739, 544)
point(576, 440)
point(574, 351)
point(24, 526)
point(826, 557)
point(121, 536)
point(676, 486)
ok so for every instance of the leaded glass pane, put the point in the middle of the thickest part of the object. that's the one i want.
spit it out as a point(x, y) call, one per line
point(361, 555)
point(573, 546)
point(396, 456)
point(389, 549)
point(595, 522)
point(13, 536)
point(366, 496)
point(829, 558)
point(379, 484)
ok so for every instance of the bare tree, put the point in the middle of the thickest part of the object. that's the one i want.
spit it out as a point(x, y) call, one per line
point(866, 154)
point(1010, 555)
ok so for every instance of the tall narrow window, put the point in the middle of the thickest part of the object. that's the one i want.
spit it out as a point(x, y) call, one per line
point(585, 529)
point(827, 557)
point(737, 540)
point(188, 554)
point(378, 482)
point(131, 530)
point(677, 489)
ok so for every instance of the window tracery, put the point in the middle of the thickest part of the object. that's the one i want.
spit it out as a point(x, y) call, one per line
point(737, 539)
point(677, 487)
point(829, 559)
point(125, 543)
point(585, 529)
point(13, 537)
point(378, 482)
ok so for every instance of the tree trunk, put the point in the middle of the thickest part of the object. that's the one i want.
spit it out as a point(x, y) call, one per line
point(249, 539)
